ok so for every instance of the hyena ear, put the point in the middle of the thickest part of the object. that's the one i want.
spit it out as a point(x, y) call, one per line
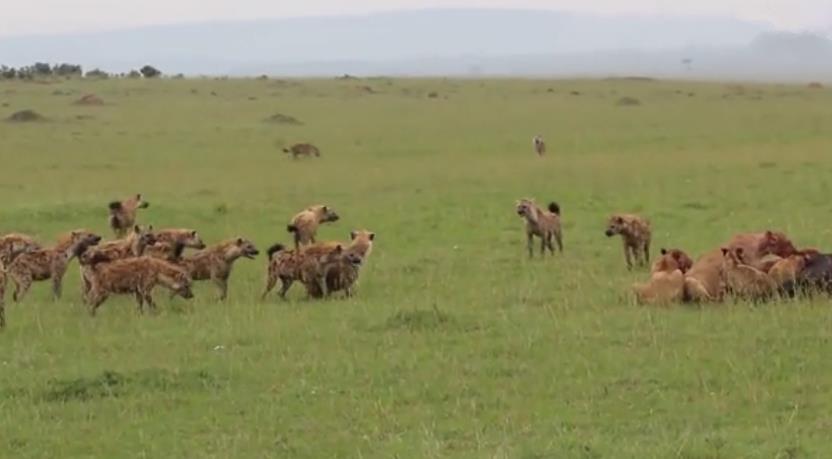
point(139, 197)
point(619, 219)
point(149, 228)
point(664, 251)
point(353, 234)
point(137, 229)
point(338, 249)
point(372, 236)
point(193, 233)
point(240, 241)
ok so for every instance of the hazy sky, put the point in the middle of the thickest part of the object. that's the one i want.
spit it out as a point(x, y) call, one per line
point(55, 16)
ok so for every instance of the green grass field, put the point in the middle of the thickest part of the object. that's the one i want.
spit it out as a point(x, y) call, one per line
point(456, 345)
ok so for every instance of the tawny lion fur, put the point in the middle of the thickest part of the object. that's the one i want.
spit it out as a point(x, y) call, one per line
point(743, 280)
point(667, 281)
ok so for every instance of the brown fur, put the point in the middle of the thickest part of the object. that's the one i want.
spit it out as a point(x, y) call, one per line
point(305, 224)
point(302, 149)
point(743, 280)
point(13, 244)
point(286, 265)
point(542, 223)
point(167, 239)
point(216, 262)
point(755, 246)
point(344, 274)
point(635, 232)
point(134, 245)
point(664, 288)
point(45, 264)
point(786, 270)
point(137, 276)
point(671, 260)
point(123, 214)
point(703, 281)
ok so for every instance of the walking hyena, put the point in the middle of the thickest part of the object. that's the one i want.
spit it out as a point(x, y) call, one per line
point(134, 245)
point(137, 276)
point(44, 264)
point(123, 214)
point(286, 264)
point(539, 145)
point(216, 262)
point(636, 233)
point(541, 223)
point(302, 149)
point(305, 224)
point(168, 239)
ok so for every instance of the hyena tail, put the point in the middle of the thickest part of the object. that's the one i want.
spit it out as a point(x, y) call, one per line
point(274, 249)
point(115, 205)
point(554, 208)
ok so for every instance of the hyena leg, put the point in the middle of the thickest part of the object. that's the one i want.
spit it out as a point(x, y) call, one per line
point(22, 284)
point(628, 256)
point(285, 282)
point(95, 300)
point(530, 243)
point(222, 284)
point(139, 302)
point(271, 281)
point(559, 240)
point(57, 286)
point(148, 298)
point(646, 252)
point(543, 245)
point(550, 243)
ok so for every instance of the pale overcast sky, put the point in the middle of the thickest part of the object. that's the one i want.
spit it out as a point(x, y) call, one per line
point(56, 16)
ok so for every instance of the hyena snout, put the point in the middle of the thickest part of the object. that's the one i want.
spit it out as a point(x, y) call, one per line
point(610, 232)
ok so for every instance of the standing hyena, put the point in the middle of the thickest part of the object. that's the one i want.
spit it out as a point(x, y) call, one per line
point(45, 264)
point(542, 223)
point(305, 224)
point(539, 145)
point(123, 214)
point(636, 233)
point(302, 149)
point(216, 262)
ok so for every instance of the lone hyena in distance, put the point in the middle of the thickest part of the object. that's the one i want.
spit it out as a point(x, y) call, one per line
point(123, 214)
point(303, 149)
point(635, 232)
point(305, 224)
point(543, 223)
point(539, 145)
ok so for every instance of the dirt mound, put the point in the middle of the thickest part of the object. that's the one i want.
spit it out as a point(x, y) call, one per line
point(628, 102)
point(279, 118)
point(815, 85)
point(433, 95)
point(90, 99)
point(25, 116)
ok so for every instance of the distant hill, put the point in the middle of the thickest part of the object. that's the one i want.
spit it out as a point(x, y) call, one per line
point(257, 46)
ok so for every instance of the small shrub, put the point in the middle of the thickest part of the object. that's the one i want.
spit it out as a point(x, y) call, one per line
point(25, 116)
point(433, 95)
point(89, 99)
point(279, 118)
point(815, 85)
point(148, 71)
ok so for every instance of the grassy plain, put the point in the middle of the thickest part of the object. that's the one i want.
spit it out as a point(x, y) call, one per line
point(456, 344)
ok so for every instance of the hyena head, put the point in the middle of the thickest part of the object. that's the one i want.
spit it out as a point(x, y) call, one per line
point(140, 202)
point(241, 247)
point(194, 241)
point(615, 225)
point(325, 214)
point(79, 241)
point(362, 242)
point(526, 208)
point(144, 236)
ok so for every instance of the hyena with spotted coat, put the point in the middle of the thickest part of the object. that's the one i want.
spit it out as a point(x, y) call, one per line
point(168, 239)
point(302, 149)
point(216, 262)
point(636, 233)
point(132, 276)
point(44, 264)
point(123, 214)
point(305, 224)
point(134, 245)
point(543, 223)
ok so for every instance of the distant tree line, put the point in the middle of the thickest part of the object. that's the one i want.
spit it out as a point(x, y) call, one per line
point(40, 70)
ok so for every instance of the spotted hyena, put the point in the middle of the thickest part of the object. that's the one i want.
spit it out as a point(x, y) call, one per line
point(123, 214)
point(304, 225)
point(302, 149)
point(543, 223)
point(635, 232)
point(216, 262)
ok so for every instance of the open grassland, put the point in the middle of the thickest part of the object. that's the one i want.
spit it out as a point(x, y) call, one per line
point(456, 344)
